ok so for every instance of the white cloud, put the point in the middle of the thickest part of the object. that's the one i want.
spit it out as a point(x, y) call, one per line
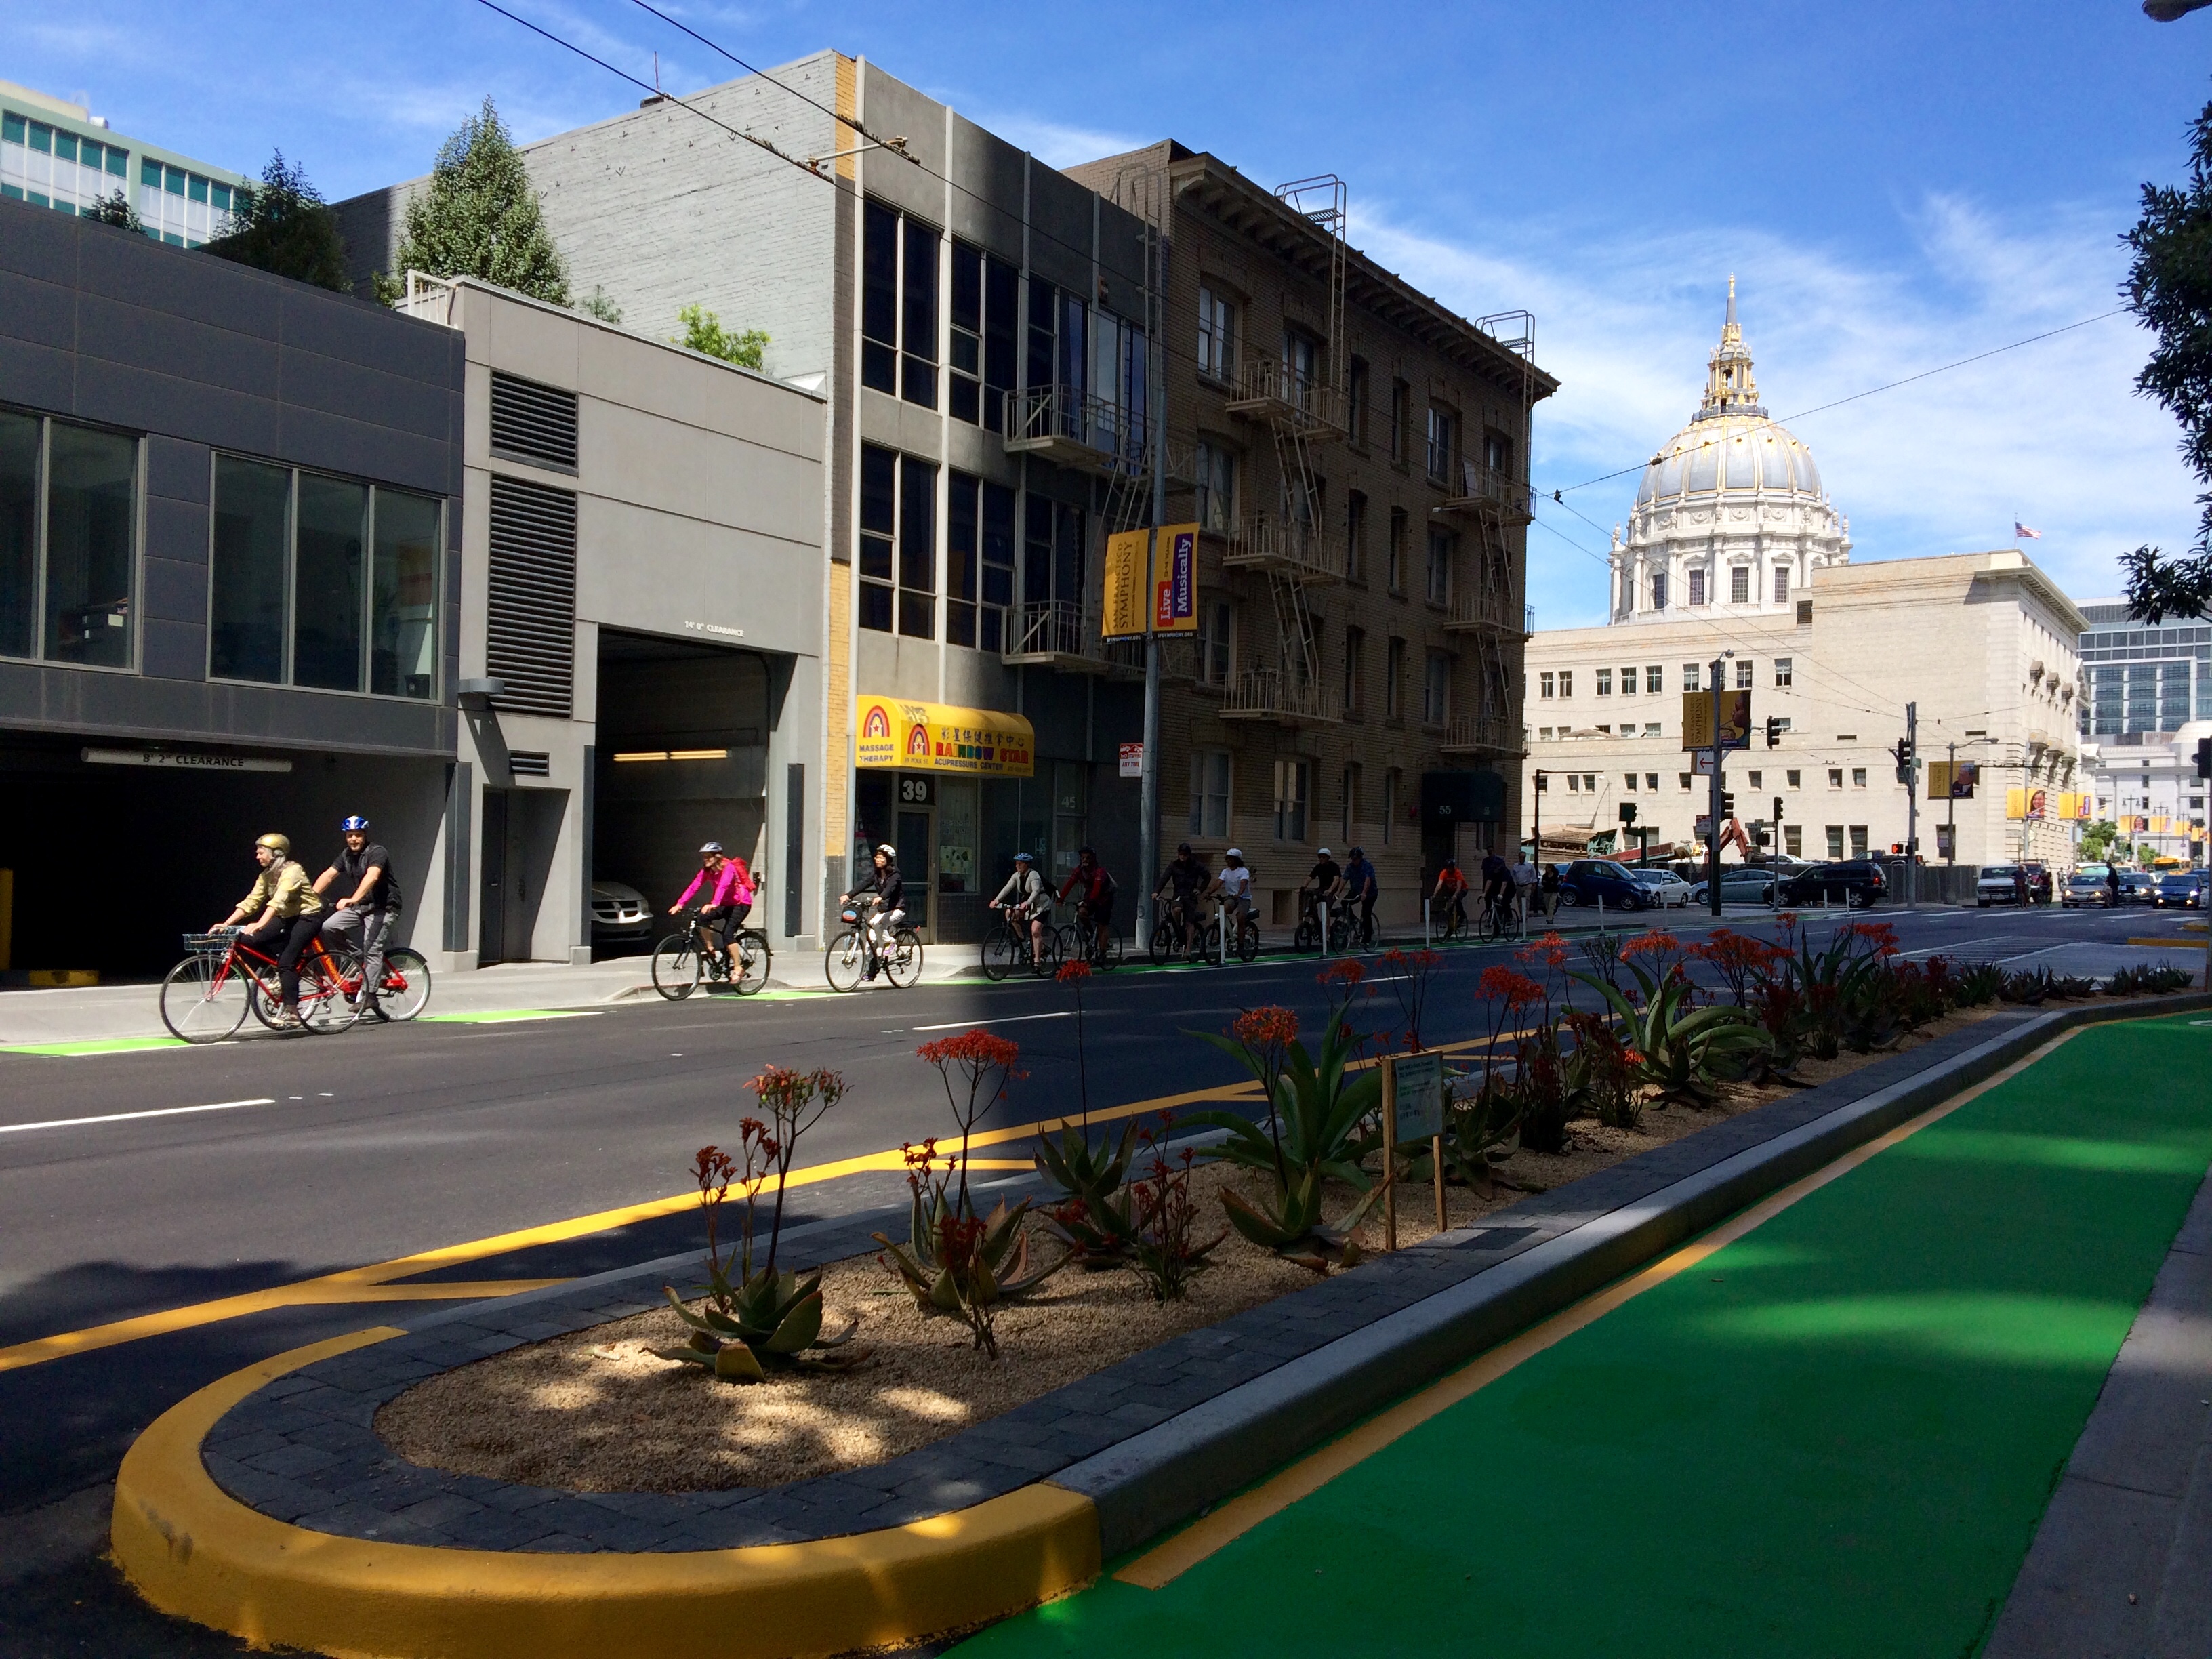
point(2050, 432)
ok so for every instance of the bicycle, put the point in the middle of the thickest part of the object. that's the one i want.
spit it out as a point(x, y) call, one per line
point(1007, 947)
point(680, 966)
point(403, 992)
point(1175, 933)
point(1454, 924)
point(1084, 940)
point(206, 997)
point(1498, 919)
point(1246, 946)
point(853, 955)
point(1308, 936)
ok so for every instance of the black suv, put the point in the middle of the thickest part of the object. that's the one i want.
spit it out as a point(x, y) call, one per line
point(1858, 882)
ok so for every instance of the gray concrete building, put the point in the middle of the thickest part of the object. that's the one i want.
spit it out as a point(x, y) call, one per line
point(228, 587)
point(639, 650)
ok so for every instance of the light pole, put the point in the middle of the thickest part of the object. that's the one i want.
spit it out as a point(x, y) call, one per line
point(1536, 818)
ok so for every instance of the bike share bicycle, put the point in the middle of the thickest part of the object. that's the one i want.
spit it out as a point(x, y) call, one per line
point(206, 997)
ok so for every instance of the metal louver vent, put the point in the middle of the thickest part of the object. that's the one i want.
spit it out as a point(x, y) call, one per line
point(533, 423)
point(530, 620)
point(529, 762)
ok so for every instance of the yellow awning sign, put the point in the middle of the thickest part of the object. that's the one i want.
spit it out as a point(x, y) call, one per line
point(938, 737)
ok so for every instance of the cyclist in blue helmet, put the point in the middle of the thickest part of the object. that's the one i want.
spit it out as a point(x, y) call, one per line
point(367, 903)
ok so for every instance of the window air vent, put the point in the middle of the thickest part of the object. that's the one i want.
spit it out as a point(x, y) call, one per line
point(533, 423)
point(530, 763)
point(530, 622)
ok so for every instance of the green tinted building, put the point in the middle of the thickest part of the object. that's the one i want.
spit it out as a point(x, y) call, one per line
point(54, 154)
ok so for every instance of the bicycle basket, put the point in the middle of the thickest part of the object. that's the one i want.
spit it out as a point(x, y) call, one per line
point(211, 945)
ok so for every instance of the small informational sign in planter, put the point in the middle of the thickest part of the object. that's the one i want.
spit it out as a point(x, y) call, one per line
point(1413, 1110)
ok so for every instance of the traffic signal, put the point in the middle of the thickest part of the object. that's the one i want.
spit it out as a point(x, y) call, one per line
point(1727, 806)
point(1778, 809)
point(1628, 812)
point(1762, 837)
point(1903, 754)
point(1774, 731)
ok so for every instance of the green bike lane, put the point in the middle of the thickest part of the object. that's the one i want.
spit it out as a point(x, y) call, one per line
point(1835, 1434)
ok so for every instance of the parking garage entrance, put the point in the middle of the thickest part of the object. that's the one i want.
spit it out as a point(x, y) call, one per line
point(681, 760)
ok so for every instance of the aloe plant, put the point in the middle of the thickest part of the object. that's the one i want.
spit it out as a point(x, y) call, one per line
point(1310, 1133)
point(1678, 1052)
point(1094, 1221)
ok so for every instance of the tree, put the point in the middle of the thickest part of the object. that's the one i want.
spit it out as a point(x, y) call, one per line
point(703, 331)
point(2097, 841)
point(283, 224)
point(597, 304)
point(2169, 287)
point(479, 217)
point(115, 209)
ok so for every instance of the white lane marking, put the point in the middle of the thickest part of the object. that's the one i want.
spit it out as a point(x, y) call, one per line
point(125, 1117)
point(1010, 1019)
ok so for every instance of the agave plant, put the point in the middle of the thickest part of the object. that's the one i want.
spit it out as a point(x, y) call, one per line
point(1094, 1221)
point(945, 1239)
point(1310, 1133)
point(1681, 1053)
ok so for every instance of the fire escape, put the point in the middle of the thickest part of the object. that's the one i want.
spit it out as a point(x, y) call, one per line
point(1297, 397)
point(1490, 500)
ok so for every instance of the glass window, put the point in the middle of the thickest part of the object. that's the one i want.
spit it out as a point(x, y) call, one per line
point(917, 548)
point(1355, 666)
point(1628, 681)
point(998, 566)
point(1743, 673)
point(879, 525)
point(1355, 536)
point(1393, 679)
point(1784, 667)
point(1654, 679)
point(879, 298)
point(1440, 563)
point(1782, 584)
point(918, 317)
point(1628, 781)
point(1544, 684)
point(19, 528)
point(1401, 405)
point(1217, 487)
point(1859, 841)
point(403, 616)
point(91, 544)
point(1566, 682)
point(253, 543)
point(1216, 334)
point(1691, 676)
point(1604, 682)
point(1436, 689)
point(1791, 778)
point(1740, 585)
point(1216, 621)
point(328, 594)
point(1659, 591)
point(1355, 401)
point(1444, 441)
point(1697, 588)
point(1209, 793)
point(965, 301)
point(1291, 795)
point(1858, 777)
point(1650, 780)
point(1835, 840)
point(1397, 571)
point(960, 559)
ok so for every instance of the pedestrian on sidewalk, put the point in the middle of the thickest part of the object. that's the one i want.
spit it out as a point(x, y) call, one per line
point(1548, 888)
point(363, 868)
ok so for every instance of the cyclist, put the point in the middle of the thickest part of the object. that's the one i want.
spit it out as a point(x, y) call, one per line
point(1025, 894)
point(1181, 882)
point(1496, 882)
point(1324, 884)
point(1525, 880)
point(721, 875)
point(1233, 887)
point(1094, 908)
point(885, 889)
point(1448, 899)
point(371, 902)
point(1360, 888)
point(287, 912)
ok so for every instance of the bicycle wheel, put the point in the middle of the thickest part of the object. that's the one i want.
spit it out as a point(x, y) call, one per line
point(1247, 940)
point(1307, 937)
point(753, 961)
point(324, 1008)
point(845, 960)
point(1047, 961)
point(676, 966)
point(1001, 952)
point(405, 989)
point(1109, 955)
point(201, 1002)
point(903, 962)
point(1167, 936)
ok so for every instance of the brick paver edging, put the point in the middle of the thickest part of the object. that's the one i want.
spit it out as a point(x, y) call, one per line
point(1145, 1442)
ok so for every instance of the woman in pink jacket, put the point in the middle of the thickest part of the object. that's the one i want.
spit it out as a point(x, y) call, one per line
point(729, 900)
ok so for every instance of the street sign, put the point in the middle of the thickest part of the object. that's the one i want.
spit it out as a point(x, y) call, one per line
point(1702, 765)
point(1133, 760)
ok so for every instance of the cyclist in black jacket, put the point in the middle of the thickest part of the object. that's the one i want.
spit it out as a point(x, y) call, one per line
point(885, 889)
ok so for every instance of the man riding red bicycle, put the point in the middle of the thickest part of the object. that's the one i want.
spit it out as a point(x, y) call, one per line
point(287, 911)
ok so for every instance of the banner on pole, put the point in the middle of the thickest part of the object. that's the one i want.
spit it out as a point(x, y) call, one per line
point(1698, 719)
point(1127, 558)
point(1174, 579)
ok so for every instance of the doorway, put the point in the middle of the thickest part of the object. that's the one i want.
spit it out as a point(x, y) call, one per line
point(521, 829)
point(912, 843)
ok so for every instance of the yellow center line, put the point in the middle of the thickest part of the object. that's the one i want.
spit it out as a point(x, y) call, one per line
point(1170, 1560)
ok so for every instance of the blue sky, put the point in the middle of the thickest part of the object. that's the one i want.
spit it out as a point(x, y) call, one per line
point(1894, 185)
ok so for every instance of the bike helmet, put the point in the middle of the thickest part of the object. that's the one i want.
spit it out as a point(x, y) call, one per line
point(280, 845)
point(354, 821)
point(1236, 853)
point(1024, 857)
point(711, 846)
point(888, 851)
point(1358, 852)
point(1324, 852)
point(1184, 847)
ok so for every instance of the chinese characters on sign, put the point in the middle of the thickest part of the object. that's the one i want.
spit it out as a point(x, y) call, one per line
point(935, 737)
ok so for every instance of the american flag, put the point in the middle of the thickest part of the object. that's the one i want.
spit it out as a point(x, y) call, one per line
point(2020, 532)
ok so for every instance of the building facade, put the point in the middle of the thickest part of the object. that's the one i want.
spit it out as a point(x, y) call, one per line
point(989, 335)
point(2146, 700)
point(640, 648)
point(227, 582)
point(1982, 642)
point(59, 155)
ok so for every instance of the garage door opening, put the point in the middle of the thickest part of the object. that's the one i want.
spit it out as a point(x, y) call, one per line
point(683, 760)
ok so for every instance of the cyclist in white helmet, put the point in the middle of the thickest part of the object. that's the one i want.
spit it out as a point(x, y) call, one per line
point(885, 889)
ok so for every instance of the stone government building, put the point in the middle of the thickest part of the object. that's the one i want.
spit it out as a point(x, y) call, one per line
point(986, 333)
point(1735, 547)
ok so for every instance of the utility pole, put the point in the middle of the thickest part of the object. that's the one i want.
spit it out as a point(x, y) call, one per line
point(1911, 769)
point(1713, 840)
point(1148, 785)
point(1951, 796)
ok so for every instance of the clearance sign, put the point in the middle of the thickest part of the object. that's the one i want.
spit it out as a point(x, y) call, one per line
point(891, 733)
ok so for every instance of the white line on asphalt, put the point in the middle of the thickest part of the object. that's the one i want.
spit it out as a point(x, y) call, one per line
point(125, 1117)
point(1010, 1019)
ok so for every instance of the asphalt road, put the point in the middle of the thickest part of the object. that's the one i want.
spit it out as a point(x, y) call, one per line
point(391, 1140)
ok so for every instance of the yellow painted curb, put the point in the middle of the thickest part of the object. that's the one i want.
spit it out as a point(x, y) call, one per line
point(192, 1550)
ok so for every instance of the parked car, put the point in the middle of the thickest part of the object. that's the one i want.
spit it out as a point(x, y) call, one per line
point(1741, 886)
point(1667, 888)
point(1857, 882)
point(2083, 891)
point(1590, 881)
point(1998, 884)
point(621, 918)
point(2181, 889)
